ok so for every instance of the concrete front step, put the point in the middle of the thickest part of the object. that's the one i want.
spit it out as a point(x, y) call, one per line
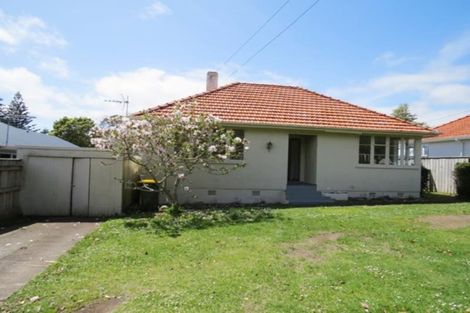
point(305, 194)
point(310, 200)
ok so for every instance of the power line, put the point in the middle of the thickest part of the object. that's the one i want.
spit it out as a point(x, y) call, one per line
point(448, 115)
point(277, 36)
point(443, 117)
point(256, 32)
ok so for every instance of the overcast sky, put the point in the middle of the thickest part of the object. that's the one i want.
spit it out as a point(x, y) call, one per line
point(67, 57)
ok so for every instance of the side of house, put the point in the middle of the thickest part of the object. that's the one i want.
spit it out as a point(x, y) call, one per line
point(447, 147)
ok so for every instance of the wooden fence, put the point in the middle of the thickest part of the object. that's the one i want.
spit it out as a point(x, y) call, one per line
point(442, 173)
point(10, 178)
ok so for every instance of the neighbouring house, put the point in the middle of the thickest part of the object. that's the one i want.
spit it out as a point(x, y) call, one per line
point(452, 140)
point(305, 147)
point(12, 137)
point(441, 153)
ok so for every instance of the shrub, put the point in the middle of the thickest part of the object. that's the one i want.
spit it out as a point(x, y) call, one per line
point(425, 180)
point(462, 179)
point(167, 223)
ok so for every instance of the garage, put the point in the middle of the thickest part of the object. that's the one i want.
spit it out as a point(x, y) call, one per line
point(70, 182)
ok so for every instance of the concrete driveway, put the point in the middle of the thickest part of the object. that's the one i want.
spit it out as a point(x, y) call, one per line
point(28, 250)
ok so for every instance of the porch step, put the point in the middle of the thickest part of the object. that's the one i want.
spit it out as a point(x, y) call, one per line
point(305, 194)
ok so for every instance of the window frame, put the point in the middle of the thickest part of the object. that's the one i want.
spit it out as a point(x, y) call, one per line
point(370, 145)
point(376, 145)
point(403, 156)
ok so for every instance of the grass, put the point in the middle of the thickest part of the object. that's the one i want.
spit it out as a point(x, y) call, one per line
point(381, 259)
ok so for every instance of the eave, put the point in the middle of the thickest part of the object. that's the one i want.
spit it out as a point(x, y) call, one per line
point(339, 130)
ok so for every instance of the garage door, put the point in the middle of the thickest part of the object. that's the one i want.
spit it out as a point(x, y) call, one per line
point(46, 186)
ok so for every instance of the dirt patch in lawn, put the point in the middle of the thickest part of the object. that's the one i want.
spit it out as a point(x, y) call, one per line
point(106, 305)
point(447, 221)
point(251, 307)
point(315, 248)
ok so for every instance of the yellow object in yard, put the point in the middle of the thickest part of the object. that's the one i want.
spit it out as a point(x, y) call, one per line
point(147, 181)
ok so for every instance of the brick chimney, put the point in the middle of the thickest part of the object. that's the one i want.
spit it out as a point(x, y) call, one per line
point(212, 82)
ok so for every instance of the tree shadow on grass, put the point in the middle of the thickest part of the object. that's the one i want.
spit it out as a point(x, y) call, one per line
point(171, 225)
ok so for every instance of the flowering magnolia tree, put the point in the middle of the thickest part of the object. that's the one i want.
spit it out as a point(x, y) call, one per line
point(170, 147)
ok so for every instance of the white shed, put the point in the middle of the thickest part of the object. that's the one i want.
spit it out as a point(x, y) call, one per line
point(70, 182)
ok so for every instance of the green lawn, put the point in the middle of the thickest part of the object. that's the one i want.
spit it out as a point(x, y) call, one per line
point(324, 259)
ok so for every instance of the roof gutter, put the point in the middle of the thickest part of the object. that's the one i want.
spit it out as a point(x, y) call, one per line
point(327, 129)
point(452, 138)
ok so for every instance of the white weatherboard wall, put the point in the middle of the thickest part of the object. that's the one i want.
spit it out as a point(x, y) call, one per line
point(70, 182)
point(330, 161)
point(265, 171)
point(338, 170)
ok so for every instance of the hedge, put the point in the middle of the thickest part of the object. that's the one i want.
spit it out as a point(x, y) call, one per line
point(462, 179)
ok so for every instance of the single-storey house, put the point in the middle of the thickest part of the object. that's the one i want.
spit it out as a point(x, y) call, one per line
point(305, 147)
point(452, 140)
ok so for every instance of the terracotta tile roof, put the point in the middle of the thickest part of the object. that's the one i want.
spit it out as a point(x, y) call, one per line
point(264, 104)
point(456, 128)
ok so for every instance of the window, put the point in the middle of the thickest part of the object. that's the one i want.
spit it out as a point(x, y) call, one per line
point(425, 150)
point(382, 150)
point(364, 149)
point(394, 152)
point(380, 147)
point(410, 152)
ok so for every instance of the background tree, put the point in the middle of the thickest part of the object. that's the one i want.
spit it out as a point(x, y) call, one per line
point(170, 147)
point(74, 129)
point(2, 111)
point(403, 112)
point(16, 114)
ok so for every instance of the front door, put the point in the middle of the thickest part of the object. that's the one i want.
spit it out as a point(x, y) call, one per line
point(293, 167)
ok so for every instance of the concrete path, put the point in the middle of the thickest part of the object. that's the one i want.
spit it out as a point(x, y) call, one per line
point(28, 250)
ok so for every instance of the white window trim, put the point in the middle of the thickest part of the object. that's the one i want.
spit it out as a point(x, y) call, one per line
point(372, 150)
point(402, 164)
point(403, 152)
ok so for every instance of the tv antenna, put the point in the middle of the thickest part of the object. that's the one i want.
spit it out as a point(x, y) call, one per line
point(124, 101)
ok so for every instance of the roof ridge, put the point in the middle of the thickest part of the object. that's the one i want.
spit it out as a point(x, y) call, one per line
point(154, 108)
point(453, 121)
point(272, 85)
